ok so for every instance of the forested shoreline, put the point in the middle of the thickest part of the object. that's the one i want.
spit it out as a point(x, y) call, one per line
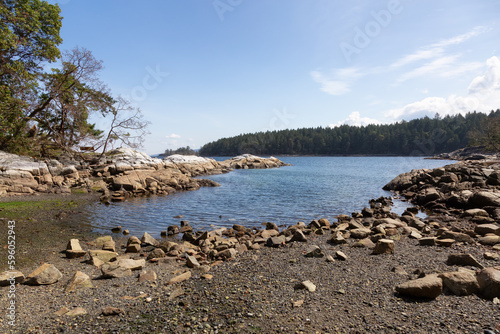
point(419, 137)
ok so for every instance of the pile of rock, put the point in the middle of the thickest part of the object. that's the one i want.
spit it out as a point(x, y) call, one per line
point(119, 174)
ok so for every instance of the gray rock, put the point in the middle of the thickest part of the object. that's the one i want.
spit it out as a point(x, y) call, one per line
point(489, 240)
point(337, 238)
point(483, 229)
point(147, 275)
point(191, 262)
point(44, 275)
point(340, 255)
point(306, 285)
point(229, 253)
point(103, 255)
point(113, 270)
point(276, 241)
point(157, 253)
point(360, 233)
point(298, 236)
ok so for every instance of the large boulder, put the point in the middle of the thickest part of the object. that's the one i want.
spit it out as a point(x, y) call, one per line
point(461, 283)
point(482, 199)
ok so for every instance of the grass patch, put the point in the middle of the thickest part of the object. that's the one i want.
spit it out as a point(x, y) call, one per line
point(24, 209)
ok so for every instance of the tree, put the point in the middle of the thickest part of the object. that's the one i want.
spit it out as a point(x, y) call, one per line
point(488, 133)
point(127, 126)
point(29, 37)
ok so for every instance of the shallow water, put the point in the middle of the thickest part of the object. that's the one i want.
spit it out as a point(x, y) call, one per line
point(314, 187)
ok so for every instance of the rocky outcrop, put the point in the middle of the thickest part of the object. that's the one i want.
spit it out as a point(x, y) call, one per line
point(120, 174)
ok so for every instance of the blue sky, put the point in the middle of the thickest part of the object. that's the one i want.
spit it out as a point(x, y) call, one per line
point(201, 70)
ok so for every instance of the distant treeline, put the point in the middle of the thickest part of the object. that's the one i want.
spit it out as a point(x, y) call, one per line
point(181, 150)
point(423, 136)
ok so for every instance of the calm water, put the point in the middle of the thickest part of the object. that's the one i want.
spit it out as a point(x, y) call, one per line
point(314, 187)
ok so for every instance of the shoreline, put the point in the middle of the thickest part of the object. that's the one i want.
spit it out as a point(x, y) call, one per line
point(256, 289)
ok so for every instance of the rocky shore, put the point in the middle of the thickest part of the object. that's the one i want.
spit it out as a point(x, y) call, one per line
point(119, 174)
point(370, 271)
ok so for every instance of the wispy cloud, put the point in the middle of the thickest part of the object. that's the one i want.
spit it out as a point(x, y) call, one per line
point(483, 95)
point(338, 82)
point(173, 136)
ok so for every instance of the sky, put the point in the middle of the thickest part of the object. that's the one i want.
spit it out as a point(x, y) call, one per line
point(201, 70)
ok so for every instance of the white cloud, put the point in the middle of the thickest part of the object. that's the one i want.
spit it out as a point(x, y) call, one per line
point(483, 95)
point(173, 136)
point(339, 82)
point(356, 120)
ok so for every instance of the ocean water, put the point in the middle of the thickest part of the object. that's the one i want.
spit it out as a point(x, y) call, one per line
point(312, 188)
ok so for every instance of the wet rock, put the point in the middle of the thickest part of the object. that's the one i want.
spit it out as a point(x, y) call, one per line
point(429, 287)
point(44, 275)
point(78, 281)
point(172, 230)
point(384, 246)
point(116, 229)
point(489, 282)
point(460, 283)
point(463, 260)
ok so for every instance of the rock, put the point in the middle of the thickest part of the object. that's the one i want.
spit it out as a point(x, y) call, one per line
point(429, 287)
point(337, 238)
point(76, 312)
point(133, 248)
point(314, 251)
point(207, 276)
point(113, 270)
point(131, 264)
point(180, 278)
point(482, 199)
point(463, 260)
point(126, 232)
point(276, 241)
point(298, 236)
point(445, 242)
point(399, 271)
point(475, 212)
point(340, 255)
point(157, 253)
point(74, 250)
point(384, 246)
point(7, 276)
point(78, 281)
point(103, 255)
point(415, 235)
point(324, 223)
point(109, 246)
point(483, 229)
point(176, 293)
point(491, 256)
point(44, 275)
point(457, 236)
point(460, 283)
point(110, 311)
point(489, 240)
point(99, 242)
point(360, 233)
point(149, 240)
point(364, 243)
point(229, 253)
point(61, 311)
point(133, 240)
point(191, 262)
point(330, 258)
point(428, 241)
point(173, 229)
point(306, 285)
point(266, 234)
point(116, 229)
point(147, 275)
point(489, 282)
